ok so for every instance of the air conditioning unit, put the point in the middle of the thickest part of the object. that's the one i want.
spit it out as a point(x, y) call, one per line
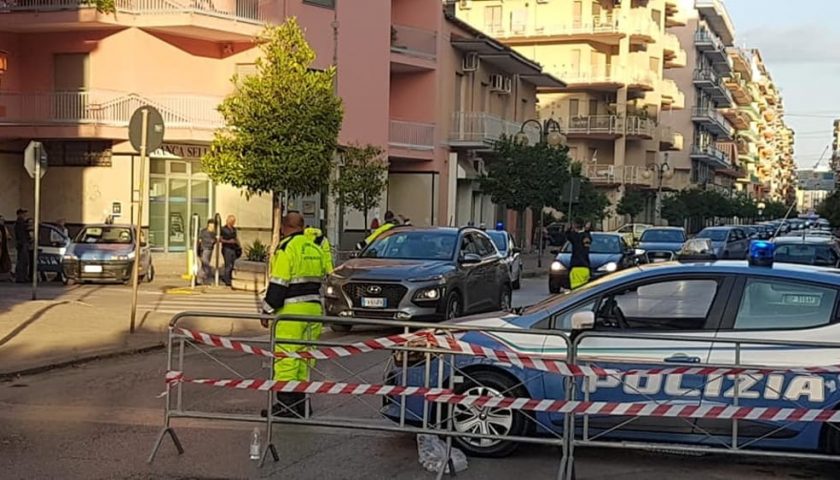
point(497, 83)
point(470, 62)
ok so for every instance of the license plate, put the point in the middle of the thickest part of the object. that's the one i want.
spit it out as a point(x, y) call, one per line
point(93, 269)
point(660, 260)
point(373, 302)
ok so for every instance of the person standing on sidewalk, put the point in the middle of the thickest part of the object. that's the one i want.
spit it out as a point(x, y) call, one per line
point(206, 245)
point(23, 269)
point(231, 249)
point(297, 272)
point(581, 239)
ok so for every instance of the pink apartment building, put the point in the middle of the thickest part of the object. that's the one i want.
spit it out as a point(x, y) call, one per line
point(74, 76)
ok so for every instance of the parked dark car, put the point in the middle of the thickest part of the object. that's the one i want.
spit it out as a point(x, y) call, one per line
point(820, 250)
point(608, 253)
point(556, 234)
point(106, 253)
point(510, 254)
point(432, 273)
point(729, 243)
point(661, 244)
point(52, 245)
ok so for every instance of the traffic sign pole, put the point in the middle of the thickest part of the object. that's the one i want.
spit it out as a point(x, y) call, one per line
point(138, 226)
point(37, 221)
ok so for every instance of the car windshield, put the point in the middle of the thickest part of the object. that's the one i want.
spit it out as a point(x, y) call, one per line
point(413, 245)
point(803, 254)
point(714, 235)
point(600, 244)
point(500, 240)
point(663, 236)
point(105, 235)
point(551, 303)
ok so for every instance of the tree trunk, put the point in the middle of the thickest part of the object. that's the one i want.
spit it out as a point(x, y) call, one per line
point(520, 228)
point(367, 225)
point(276, 220)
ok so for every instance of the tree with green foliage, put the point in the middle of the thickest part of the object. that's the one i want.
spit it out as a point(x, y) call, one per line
point(103, 6)
point(362, 179)
point(631, 204)
point(829, 209)
point(592, 203)
point(674, 209)
point(525, 176)
point(282, 123)
point(775, 210)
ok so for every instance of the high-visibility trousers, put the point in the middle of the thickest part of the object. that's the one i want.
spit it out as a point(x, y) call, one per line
point(578, 277)
point(290, 369)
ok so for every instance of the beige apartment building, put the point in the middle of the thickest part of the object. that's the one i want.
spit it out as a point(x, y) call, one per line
point(612, 57)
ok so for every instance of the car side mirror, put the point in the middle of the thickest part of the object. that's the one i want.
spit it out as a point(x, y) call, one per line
point(516, 250)
point(583, 321)
point(470, 259)
point(638, 252)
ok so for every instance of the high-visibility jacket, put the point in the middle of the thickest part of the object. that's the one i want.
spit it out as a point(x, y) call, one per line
point(319, 239)
point(376, 233)
point(297, 271)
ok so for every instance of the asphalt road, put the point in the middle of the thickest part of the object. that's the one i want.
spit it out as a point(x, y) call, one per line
point(99, 421)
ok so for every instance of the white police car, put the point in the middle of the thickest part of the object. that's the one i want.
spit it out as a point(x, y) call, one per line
point(703, 299)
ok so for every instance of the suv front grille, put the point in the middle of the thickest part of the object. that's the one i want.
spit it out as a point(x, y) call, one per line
point(393, 294)
point(651, 256)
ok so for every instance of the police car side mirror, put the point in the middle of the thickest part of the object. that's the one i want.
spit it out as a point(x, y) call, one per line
point(583, 321)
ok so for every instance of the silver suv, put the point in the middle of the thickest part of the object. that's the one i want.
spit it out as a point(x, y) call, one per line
point(420, 273)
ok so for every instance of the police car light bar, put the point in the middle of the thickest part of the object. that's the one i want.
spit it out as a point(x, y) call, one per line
point(761, 253)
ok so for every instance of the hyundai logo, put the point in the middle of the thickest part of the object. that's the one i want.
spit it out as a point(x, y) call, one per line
point(374, 289)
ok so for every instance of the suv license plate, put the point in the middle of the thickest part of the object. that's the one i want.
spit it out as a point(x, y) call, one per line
point(93, 269)
point(373, 302)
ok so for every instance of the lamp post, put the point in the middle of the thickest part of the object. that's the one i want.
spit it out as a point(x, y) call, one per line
point(551, 135)
point(661, 170)
point(761, 206)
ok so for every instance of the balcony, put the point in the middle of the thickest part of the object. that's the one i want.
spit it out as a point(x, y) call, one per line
point(712, 120)
point(741, 62)
point(641, 27)
point(711, 156)
point(640, 128)
point(673, 53)
point(710, 82)
point(412, 49)
point(738, 118)
point(217, 20)
point(602, 29)
point(672, 97)
point(642, 79)
point(673, 16)
point(739, 90)
point(615, 175)
point(605, 127)
point(411, 139)
point(715, 13)
point(678, 60)
point(479, 130)
point(669, 139)
point(711, 46)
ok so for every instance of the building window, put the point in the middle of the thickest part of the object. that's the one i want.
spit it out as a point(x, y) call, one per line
point(574, 107)
point(656, 15)
point(593, 107)
point(70, 72)
point(321, 3)
point(493, 18)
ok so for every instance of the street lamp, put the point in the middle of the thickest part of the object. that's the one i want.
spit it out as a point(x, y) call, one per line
point(662, 171)
point(761, 206)
point(550, 134)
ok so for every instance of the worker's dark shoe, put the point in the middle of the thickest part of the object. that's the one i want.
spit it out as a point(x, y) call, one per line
point(285, 406)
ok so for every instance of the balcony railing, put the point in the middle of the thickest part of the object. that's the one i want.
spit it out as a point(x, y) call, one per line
point(595, 125)
point(711, 153)
point(411, 135)
point(480, 128)
point(240, 10)
point(595, 73)
point(413, 41)
point(617, 175)
point(108, 108)
point(671, 44)
point(640, 127)
point(714, 116)
point(596, 25)
point(706, 40)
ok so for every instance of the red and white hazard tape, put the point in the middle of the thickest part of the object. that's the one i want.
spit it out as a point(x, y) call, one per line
point(328, 388)
point(643, 409)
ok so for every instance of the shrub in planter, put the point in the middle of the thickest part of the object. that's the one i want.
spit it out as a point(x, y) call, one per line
point(257, 252)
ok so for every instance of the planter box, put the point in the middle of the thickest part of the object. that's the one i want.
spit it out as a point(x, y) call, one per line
point(249, 276)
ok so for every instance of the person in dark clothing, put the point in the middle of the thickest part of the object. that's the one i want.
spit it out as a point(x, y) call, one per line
point(580, 238)
point(23, 243)
point(231, 249)
point(5, 259)
point(206, 244)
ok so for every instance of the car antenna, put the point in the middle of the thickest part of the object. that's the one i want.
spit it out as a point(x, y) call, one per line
point(779, 228)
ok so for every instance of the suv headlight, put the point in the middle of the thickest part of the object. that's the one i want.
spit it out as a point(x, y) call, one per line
point(431, 294)
point(608, 267)
point(557, 266)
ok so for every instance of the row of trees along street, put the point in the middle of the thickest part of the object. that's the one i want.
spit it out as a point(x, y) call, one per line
point(696, 208)
point(281, 134)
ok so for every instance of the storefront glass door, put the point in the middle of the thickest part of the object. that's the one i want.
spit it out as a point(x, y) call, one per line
point(177, 191)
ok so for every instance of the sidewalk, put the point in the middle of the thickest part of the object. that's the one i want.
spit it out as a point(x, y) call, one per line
point(529, 264)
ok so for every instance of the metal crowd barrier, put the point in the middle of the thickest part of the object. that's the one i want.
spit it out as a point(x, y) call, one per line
point(444, 361)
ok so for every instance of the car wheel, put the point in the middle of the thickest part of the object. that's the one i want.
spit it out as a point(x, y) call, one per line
point(340, 327)
point(493, 421)
point(505, 298)
point(454, 307)
point(150, 274)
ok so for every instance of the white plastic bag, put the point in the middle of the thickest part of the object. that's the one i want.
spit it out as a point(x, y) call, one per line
point(432, 451)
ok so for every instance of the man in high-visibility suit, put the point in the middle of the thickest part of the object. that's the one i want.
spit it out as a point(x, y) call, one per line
point(319, 239)
point(390, 222)
point(297, 271)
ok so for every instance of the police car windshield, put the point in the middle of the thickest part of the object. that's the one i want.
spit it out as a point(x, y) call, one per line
point(662, 236)
point(820, 255)
point(600, 244)
point(105, 235)
point(499, 239)
point(553, 302)
point(717, 235)
point(413, 245)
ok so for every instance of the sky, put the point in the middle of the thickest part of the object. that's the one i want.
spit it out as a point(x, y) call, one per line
point(801, 48)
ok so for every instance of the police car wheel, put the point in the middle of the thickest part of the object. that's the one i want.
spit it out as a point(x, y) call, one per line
point(831, 438)
point(496, 422)
point(340, 327)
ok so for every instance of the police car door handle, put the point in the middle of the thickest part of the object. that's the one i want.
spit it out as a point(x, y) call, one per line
point(682, 358)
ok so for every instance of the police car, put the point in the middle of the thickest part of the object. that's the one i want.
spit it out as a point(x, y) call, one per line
point(703, 299)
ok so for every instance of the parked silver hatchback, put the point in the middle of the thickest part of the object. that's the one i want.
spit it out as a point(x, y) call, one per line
point(433, 273)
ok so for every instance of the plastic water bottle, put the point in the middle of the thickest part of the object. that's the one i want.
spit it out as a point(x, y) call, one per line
point(254, 450)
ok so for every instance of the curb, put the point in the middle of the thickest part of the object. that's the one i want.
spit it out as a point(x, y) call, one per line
point(82, 359)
